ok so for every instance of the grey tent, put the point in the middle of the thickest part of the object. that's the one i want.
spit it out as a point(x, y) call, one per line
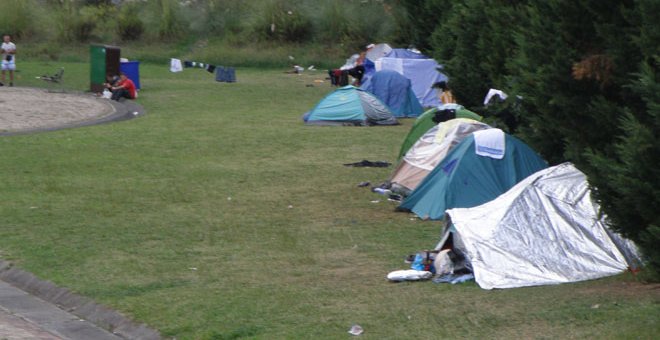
point(545, 230)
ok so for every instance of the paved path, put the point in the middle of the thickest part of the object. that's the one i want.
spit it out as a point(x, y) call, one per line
point(23, 316)
point(14, 328)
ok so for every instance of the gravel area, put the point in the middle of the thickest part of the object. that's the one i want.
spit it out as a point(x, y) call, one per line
point(29, 109)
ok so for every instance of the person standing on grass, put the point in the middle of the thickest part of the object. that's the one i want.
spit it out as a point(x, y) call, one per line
point(8, 51)
point(125, 88)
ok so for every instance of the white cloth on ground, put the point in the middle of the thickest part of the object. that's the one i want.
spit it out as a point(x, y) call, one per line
point(409, 275)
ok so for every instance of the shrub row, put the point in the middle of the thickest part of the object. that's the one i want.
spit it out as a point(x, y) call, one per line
point(346, 22)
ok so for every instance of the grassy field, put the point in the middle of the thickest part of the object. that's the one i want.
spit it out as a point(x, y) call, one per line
point(219, 215)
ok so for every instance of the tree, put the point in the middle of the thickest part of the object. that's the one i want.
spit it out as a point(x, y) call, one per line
point(628, 180)
point(588, 73)
point(474, 43)
point(418, 19)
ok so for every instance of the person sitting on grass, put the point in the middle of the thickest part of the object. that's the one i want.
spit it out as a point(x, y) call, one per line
point(125, 88)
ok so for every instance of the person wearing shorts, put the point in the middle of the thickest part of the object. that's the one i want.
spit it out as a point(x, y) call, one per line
point(8, 53)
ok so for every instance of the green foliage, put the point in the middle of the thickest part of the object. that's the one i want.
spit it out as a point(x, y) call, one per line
point(283, 21)
point(17, 19)
point(474, 42)
point(467, 78)
point(572, 63)
point(542, 69)
point(333, 24)
point(84, 23)
point(628, 181)
point(584, 103)
point(79, 29)
point(343, 24)
point(129, 24)
point(170, 25)
point(418, 20)
point(219, 18)
point(49, 50)
point(353, 24)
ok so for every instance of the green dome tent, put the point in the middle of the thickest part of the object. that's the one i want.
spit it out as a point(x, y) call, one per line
point(350, 105)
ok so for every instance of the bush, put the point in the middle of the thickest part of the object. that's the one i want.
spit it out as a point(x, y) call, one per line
point(628, 180)
point(282, 22)
point(78, 24)
point(354, 25)
point(81, 28)
point(218, 18)
point(16, 18)
point(129, 25)
point(170, 25)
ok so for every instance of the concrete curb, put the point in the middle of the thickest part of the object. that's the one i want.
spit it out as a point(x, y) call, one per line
point(75, 304)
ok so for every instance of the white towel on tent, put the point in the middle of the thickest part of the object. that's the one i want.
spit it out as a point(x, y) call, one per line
point(489, 143)
point(175, 65)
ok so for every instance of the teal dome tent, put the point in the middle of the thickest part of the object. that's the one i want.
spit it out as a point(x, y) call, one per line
point(349, 105)
point(466, 179)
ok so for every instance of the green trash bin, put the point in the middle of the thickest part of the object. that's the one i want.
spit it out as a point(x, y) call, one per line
point(103, 60)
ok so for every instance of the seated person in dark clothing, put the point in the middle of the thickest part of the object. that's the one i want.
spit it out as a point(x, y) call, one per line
point(444, 115)
point(110, 81)
point(357, 72)
point(125, 88)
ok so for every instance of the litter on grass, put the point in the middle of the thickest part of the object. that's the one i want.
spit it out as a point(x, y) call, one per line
point(356, 330)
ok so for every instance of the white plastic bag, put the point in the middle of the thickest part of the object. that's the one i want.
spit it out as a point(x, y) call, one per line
point(409, 275)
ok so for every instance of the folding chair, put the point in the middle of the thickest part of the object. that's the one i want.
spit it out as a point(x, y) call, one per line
point(55, 79)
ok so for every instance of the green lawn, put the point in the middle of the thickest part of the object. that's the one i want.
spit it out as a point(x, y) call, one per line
point(219, 215)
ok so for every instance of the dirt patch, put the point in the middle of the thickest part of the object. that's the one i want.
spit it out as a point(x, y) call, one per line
point(628, 289)
point(32, 110)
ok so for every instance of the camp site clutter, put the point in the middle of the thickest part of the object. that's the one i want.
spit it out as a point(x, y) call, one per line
point(423, 71)
point(508, 218)
point(225, 74)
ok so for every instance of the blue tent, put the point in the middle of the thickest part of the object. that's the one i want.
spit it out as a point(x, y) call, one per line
point(350, 105)
point(403, 53)
point(464, 179)
point(423, 73)
point(395, 91)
